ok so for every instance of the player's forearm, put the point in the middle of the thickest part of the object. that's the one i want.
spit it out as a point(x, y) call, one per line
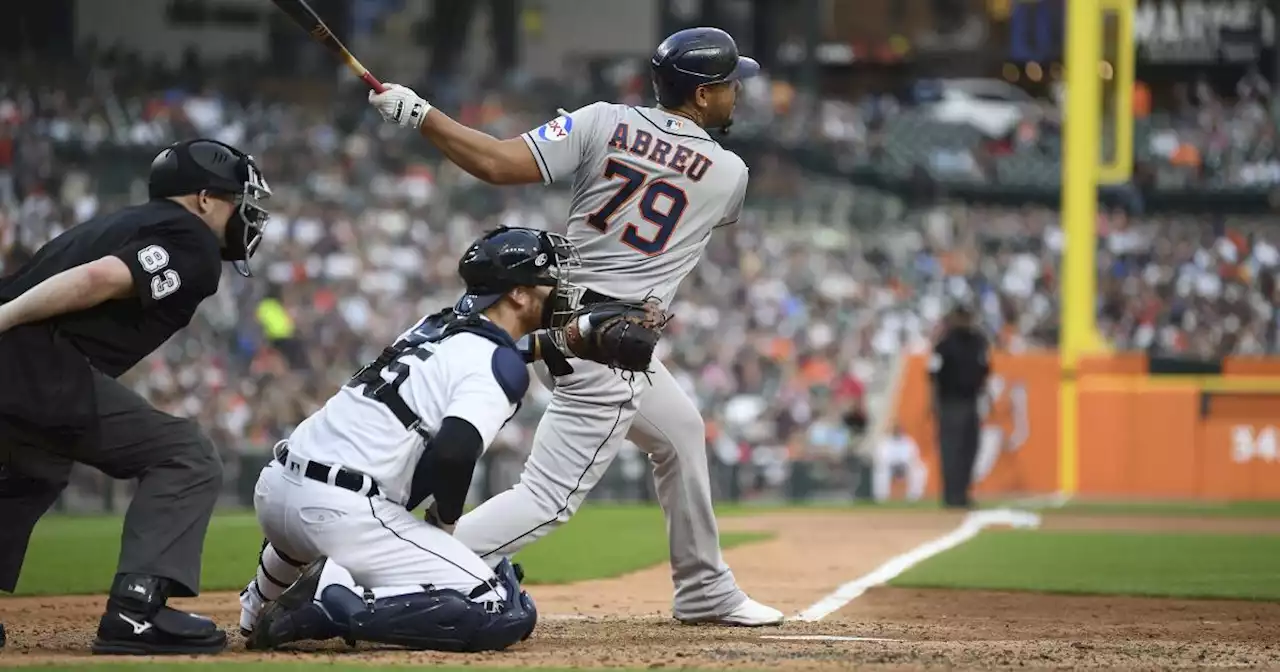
point(446, 467)
point(474, 151)
point(75, 289)
point(451, 488)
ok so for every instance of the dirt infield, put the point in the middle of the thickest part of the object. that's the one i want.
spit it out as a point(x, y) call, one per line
point(625, 622)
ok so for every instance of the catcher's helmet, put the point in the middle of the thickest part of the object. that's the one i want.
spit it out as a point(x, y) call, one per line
point(510, 257)
point(192, 166)
point(696, 57)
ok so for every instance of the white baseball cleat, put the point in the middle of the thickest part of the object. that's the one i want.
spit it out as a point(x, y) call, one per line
point(749, 614)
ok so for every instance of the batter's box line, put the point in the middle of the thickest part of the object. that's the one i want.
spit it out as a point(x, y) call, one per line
point(828, 638)
point(974, 523)
point(602, 617)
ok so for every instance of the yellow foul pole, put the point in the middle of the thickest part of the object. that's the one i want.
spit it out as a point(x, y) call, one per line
point(1083, 168)
point(1081, 154)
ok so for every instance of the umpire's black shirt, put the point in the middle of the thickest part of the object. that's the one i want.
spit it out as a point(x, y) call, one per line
point(960, 365)
point(176, 263)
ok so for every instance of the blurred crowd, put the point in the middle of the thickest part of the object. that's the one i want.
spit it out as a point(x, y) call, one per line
point(1176, 285)
point(786, 334)
point(1206, 138)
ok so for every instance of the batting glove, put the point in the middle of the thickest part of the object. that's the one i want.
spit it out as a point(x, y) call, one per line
point(400, 105)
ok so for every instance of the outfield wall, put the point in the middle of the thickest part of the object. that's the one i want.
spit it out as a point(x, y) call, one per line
point(1140, 436)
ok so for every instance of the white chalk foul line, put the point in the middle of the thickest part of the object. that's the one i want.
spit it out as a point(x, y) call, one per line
point(972, 525)
point(827, 638)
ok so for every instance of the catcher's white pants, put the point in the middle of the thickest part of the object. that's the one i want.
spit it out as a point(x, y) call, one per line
point(591, 412)
point(374, 542)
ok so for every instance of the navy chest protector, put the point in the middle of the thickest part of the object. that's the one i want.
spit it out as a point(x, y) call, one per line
point(431, 330)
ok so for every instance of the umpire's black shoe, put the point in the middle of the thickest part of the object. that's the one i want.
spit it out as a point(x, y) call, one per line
point(295, 615)
point(138, 623)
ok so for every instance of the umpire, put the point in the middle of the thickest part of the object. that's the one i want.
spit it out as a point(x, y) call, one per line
point(87, 307)
point(958, 369)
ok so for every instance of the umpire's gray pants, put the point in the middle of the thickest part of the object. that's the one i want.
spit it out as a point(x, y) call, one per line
point(179, 477)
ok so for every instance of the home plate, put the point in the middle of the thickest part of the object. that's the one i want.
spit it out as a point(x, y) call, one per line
point(828, 638)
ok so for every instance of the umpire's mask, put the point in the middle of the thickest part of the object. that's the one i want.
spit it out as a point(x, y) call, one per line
point(194, 165)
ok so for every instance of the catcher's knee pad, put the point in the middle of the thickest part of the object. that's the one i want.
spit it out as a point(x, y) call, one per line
point(440, 620)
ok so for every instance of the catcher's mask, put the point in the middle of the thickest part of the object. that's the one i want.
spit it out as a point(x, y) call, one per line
point(192, 166)
point(510, 257)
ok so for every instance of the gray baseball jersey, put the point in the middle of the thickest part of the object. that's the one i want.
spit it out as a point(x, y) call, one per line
point(648, 188)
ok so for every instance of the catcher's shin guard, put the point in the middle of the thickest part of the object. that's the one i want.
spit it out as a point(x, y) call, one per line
point(439, 620)
point(295, 615)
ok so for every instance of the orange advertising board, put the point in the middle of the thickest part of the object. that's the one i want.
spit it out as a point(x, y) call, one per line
point(1018, 441)
point(1240, 440)
point(1137, 436)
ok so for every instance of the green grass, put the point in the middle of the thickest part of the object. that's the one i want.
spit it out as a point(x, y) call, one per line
point(1256, 509)
point(1109, 563)
point(72, 555)
point(152, 666)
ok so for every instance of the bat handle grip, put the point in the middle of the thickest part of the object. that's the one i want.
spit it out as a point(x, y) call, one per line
point(373, 82)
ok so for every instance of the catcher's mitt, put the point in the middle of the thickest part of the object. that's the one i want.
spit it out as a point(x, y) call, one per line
point(621, 334)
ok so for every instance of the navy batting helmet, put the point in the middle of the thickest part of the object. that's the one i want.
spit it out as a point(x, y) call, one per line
point(696, 57)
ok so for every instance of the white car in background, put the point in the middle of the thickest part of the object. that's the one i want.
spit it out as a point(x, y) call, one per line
point(992, 106)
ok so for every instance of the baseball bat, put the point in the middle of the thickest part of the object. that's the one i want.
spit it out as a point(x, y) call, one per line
point(304, 16)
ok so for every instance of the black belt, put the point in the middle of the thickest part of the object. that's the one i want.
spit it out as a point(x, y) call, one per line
point(345, 478)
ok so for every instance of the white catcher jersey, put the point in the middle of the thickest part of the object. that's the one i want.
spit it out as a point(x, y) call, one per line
point(453, 377)
point(648, 188)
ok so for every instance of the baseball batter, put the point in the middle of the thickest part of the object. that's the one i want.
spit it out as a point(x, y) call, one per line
point(649, 186)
